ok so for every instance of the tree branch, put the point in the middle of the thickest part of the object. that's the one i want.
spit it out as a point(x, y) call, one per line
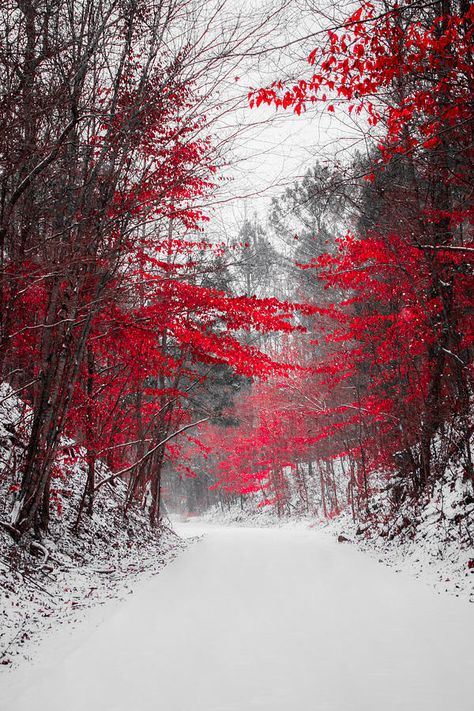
point(446, 247)
point(112, 477)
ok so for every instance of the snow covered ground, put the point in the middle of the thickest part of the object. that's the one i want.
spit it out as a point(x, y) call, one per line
point(77, 567)
point(432, 539)
point(34, 604)
point(268, 619)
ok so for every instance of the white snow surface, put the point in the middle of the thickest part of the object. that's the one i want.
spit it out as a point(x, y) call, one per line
point(269, 619)
point(432, 539)
point(102, 558)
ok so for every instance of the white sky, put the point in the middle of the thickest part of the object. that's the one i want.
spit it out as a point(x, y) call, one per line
point(274, 148)
point(273, 155)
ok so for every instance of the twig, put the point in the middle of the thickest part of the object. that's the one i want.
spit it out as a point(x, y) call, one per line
point(44, 551)
point(11, 529)
point(112, 477)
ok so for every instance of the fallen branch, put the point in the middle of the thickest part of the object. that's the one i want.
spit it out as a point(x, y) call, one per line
point(3, 653)
point(42, 549)
point(11, 529)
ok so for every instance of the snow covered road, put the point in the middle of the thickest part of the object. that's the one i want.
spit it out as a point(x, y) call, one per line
point(268, 620)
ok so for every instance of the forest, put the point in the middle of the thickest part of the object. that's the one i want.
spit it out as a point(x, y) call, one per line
point(124, 326)
point(313, 361)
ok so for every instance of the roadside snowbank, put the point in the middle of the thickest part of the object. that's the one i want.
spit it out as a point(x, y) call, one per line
point(432, 541)
point(249, 516)
point(44, 585)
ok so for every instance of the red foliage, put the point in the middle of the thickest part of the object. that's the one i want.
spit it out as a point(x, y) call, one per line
point(394, 361)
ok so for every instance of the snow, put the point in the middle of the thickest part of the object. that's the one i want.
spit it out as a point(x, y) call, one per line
point(269, 619)
point(431, 539)
point(34, 604)
point(44, 586)
point(437, 562)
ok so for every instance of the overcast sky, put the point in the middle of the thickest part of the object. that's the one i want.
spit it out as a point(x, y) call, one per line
point(273, 148)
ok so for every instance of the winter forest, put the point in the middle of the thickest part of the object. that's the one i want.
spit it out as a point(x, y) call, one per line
point(237, 329)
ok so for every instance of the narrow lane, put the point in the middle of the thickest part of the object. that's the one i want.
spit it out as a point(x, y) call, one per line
point(270, 620)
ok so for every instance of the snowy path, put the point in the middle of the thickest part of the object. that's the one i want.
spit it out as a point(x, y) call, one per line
point(268, 620)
